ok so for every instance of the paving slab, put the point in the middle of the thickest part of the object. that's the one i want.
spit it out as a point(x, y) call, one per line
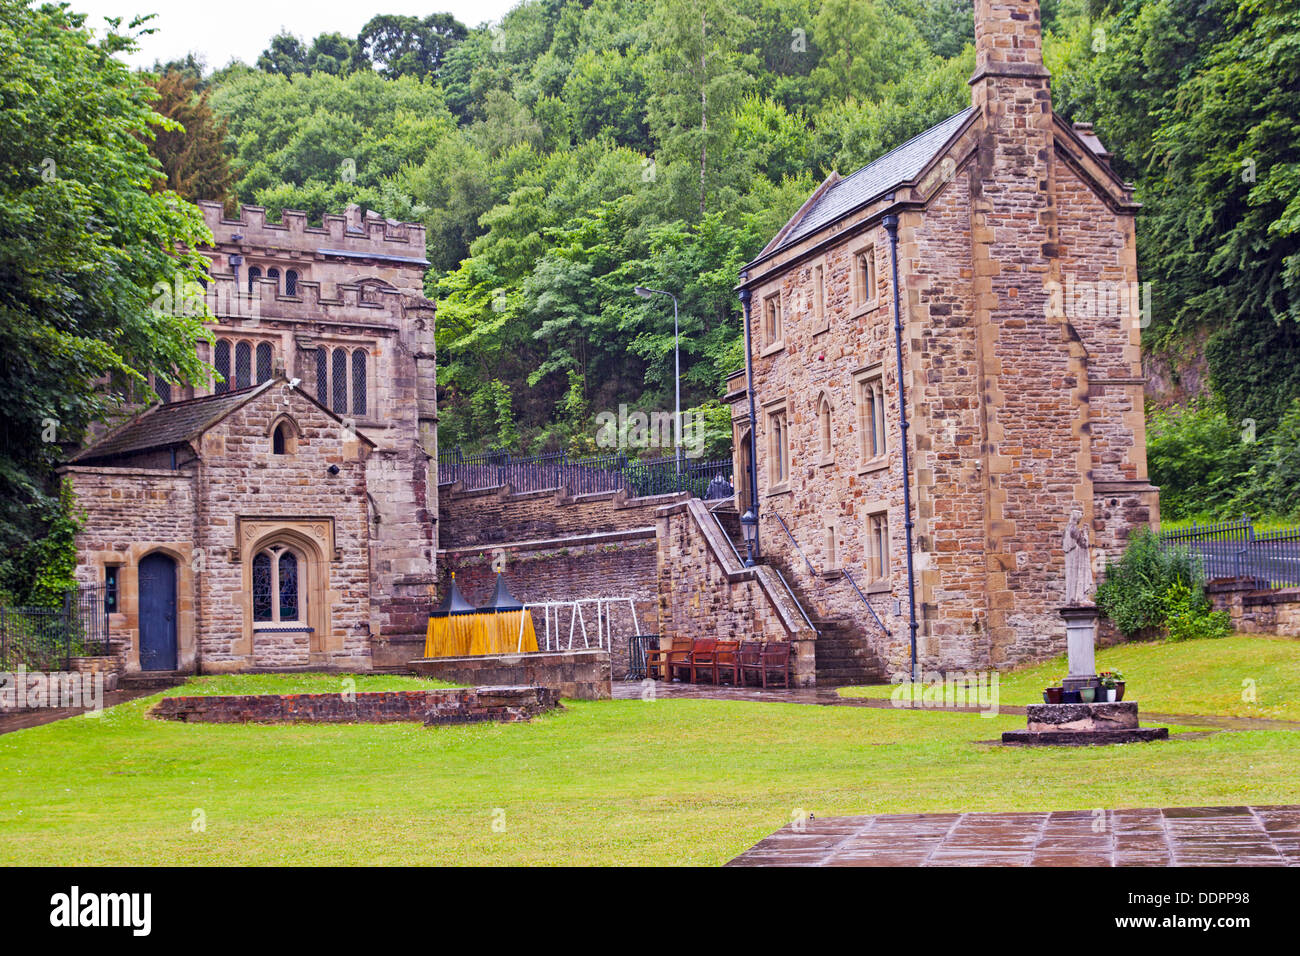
point(1174, 836)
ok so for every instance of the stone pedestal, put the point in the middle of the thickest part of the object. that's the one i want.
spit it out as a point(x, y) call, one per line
point(1081, 724)
point(1080, 641)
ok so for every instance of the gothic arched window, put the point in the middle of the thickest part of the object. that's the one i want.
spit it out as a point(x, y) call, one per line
point(291, 282)
point(276, 597)
point(264, 356)
point(339, 377)
point(359, 382)
point(243, 365)
point(274, 273)
point(221, 361)
point(254, 273)
point(824, 425)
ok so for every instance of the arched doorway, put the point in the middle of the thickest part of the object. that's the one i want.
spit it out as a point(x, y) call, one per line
point(157, 603)
point(744, 493)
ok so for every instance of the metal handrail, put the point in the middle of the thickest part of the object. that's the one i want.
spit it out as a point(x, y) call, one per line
point(845, 571)
point(790, 591)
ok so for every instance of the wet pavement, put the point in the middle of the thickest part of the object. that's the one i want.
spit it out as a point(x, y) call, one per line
point(830, 697)
point(1177, 836)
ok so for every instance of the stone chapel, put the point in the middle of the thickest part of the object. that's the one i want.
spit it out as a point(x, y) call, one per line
point(283, 515)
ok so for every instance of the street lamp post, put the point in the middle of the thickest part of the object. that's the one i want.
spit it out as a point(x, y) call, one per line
point(645, 293)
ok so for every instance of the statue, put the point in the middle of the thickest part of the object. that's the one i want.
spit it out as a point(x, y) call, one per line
point(1078, 562)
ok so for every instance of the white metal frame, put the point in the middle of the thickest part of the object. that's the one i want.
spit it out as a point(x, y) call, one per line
point(604, 622)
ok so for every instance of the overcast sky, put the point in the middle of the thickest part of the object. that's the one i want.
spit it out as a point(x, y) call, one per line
point(241, 29)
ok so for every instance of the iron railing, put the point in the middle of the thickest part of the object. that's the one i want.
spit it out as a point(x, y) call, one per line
point(1235, 549)
point(583, 475)
point(45, 639)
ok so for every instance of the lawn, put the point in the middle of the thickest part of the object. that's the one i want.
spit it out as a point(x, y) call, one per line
point(1212, 677)
point(603, 782)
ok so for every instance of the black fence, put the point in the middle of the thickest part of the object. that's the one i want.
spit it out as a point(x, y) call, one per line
point(1235, 549)
point(43, 639)
point(586, 475)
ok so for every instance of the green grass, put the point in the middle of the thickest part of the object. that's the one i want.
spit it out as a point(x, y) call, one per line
point(606, 782)
point(1261, 523)
point(1205, 677)
point(299, 684)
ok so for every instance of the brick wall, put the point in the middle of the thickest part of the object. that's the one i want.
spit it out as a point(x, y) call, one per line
point(582, 675)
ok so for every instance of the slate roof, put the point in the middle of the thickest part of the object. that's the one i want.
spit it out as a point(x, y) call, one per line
point(898, 166)
point(165, 426)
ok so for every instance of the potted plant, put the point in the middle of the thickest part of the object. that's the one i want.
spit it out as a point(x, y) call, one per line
point(1113, 682)
point(1087, 695)
point(1052, 695)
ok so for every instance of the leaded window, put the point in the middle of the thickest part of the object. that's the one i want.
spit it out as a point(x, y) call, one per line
point(276, 597)
point(254, 273)
point(243, 365)
point(291, 282)
point(339, 377)
point(359, 382)
point(264, 354)
point(221, 361)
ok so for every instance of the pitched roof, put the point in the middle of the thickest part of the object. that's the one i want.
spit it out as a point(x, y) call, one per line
point(898, 166)
point(164, 426)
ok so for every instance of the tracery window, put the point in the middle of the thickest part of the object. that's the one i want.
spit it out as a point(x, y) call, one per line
point(276, 597)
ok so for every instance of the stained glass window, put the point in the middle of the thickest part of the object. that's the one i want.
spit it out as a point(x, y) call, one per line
point(359, 382)
point(262, 589)
point(288, 586)
point(221, 361)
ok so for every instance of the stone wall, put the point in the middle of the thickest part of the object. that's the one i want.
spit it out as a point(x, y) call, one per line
point(1256, 611)
point(611, 564)
point(582, 675)
point(704, 591)
point(494, 515)
point(431, 707)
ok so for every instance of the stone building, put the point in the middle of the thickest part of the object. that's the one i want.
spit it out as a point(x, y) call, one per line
point(1007, 242)
point(283, 514)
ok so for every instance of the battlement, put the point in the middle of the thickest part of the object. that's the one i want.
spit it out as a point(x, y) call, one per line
point(353, 303)
point(351, 235)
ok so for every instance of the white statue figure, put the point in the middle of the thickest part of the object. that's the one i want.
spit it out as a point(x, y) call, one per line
point(1078, 562)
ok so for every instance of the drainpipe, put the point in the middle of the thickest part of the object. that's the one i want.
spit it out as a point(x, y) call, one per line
point(753, 419)
point(891, 227)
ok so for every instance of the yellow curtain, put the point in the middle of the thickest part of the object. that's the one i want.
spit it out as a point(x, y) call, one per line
point(473, 635)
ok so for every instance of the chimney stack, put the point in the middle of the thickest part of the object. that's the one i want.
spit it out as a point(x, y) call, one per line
point(1008, 46)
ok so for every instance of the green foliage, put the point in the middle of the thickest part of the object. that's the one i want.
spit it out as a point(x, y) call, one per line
point(1133, 589)
point(87, 230)
point(38, 574)
point(1198, 459)
point(1187, 615)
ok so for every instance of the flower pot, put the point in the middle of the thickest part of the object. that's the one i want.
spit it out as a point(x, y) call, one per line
point(1069, 697)
point(1087, 694)
point(1052, 695)
point(1110, 693)
point(1119, 691)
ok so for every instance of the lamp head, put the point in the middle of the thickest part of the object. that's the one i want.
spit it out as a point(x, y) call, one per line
point(643, 292)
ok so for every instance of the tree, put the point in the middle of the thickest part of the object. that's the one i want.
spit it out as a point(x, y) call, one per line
point(86, 243)
point(286, 55)
point(193, 154)
point(409, 46)
point(700, 80)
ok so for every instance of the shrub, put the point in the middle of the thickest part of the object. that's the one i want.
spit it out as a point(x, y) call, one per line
point(1133, 588)
point(1189, 615)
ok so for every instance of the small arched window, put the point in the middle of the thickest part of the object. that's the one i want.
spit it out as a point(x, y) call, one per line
point(281, 439)
point(221, 361)
point(276, 598)
point(254, 273)
point(243, 365)
point(291, 282)
point(274, 273)
point(264, 355)
point(824, 425)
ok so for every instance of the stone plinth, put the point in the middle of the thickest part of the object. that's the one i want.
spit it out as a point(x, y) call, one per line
point(1081, 641)
point(1082, 724)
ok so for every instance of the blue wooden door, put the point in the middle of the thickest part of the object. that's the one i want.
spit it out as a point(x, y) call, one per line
point(158, 613)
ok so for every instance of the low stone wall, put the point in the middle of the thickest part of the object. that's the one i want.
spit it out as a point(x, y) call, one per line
point(449, 706)
point(581, 675)
point(494, 515)
point(1255, 610)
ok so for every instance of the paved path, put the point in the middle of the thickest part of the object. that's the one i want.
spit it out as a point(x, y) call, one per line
point(828, 697)
point(21, 720)
point(1179, 836)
